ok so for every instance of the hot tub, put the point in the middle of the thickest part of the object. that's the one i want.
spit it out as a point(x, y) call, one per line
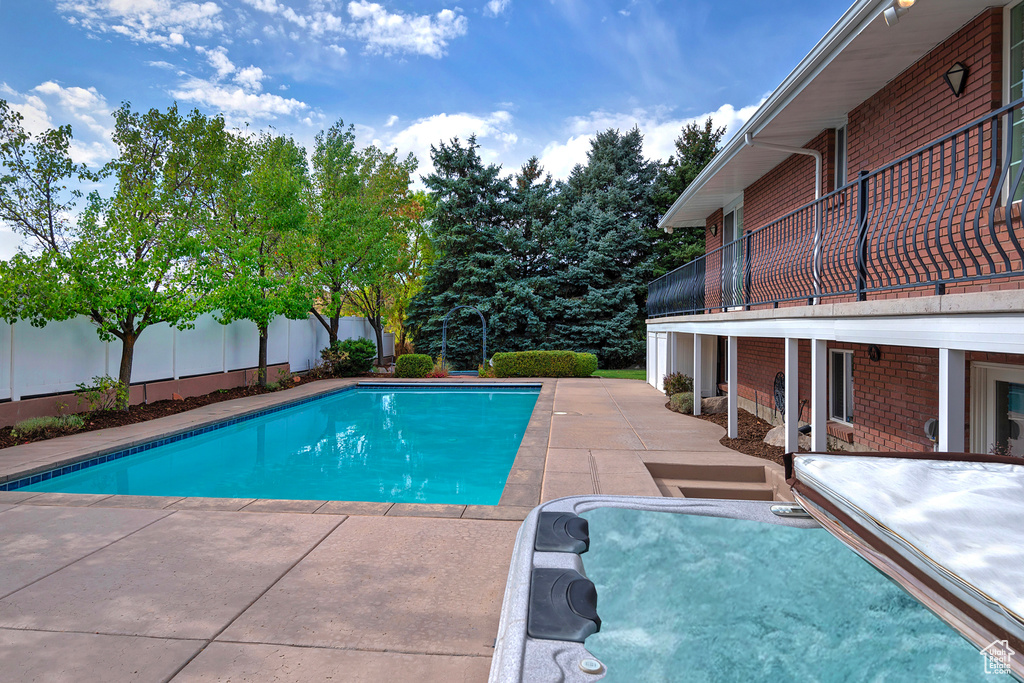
point(712, 590)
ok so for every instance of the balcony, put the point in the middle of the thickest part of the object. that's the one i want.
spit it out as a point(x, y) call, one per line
point(932, 219)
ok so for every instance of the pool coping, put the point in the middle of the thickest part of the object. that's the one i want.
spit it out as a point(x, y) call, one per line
point(521, 493)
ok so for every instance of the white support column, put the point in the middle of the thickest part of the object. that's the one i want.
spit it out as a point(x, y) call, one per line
point(819, 393)
point(734, 384)
point(652, 362)
point(952, 393)
point(698, 378)
point(792, 347)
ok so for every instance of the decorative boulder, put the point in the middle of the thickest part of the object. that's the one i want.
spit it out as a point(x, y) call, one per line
point(714, 405)
point(777, 437)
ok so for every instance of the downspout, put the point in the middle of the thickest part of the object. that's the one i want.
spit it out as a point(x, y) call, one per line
point(751, 142)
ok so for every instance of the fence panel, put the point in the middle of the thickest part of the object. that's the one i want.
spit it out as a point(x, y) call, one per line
point(55, 358)
point(154, 355)
point(5, 360)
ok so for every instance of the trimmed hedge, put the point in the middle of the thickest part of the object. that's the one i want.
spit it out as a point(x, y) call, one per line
point(413, 365)
point(586, 365)
point(544, 364)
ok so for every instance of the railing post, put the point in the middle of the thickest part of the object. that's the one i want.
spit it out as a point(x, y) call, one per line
point(746, 271)
point(862, 235)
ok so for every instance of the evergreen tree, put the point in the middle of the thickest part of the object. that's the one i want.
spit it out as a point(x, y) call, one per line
point(469, 222)
point(601, 251)
point(696, 146)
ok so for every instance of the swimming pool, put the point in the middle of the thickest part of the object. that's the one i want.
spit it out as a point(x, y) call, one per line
point(380, 443)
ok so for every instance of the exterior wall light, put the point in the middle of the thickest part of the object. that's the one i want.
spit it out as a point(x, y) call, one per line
point(714, 229)
point(896, 10)
point(956, 78)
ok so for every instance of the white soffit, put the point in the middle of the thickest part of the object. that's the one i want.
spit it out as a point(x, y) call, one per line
point(856, 58)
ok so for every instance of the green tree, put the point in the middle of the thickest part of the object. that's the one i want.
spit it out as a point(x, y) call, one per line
point(389, 210)
point(471, 215)
point(602, 251)
point(349, 229)
point(695, 147)
point(129, 261)
point(257, 216)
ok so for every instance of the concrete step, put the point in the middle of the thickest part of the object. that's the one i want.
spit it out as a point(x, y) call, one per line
point(734, 473)
point(725, 490)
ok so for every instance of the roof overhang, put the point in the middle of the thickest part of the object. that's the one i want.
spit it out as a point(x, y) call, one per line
point(857, 57)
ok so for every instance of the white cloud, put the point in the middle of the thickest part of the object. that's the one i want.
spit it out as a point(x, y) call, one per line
point(160, 64)
point(659, 128)
point(392, 120)
point(159, 22)
point(218, 59)
point(390, 33)
point(50, 104)
point(495, 7)
point(235, 101)
point(250, 78)
point(494, 133)
point(338, 50)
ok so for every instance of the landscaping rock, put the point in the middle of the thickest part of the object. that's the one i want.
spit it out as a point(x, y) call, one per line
point(177, 397)
point(777, 437)
point(714, 405)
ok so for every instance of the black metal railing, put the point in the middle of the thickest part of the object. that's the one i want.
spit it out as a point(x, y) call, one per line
point(929, 219)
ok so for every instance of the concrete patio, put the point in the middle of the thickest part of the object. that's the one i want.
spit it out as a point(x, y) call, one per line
point(130, 588)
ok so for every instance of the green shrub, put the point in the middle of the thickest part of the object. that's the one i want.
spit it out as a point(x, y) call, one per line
point(535, 364)
point(586, 365)
point(485, 371)
point(105, 393)
point(48, 426)
point(682, 402)
point(677, 383)
point(349, 357)
point(442, 368)
point(413, 365)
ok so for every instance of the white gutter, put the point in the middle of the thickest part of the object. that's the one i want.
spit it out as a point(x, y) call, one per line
point(749, 140)
point(849, 26)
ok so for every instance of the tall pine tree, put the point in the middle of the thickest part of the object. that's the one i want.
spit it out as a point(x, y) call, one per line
point(601, 251)
point(468, 224)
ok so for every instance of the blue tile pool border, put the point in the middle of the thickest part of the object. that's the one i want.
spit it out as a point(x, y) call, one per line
point(28, 480)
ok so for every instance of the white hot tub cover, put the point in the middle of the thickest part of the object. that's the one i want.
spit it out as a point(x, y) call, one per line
point(948, 527)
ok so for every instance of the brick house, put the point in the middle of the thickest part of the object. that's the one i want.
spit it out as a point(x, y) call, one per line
point(862, 273)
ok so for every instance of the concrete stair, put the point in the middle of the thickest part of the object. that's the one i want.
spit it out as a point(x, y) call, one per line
point(728, 482)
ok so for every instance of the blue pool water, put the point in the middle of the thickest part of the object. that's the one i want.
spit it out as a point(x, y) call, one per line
point(369, 444)
point(702, 599)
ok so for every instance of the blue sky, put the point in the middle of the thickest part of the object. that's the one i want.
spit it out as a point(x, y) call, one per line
point(529, 78)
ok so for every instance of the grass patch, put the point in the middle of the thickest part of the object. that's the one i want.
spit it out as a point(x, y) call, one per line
point(622, 374)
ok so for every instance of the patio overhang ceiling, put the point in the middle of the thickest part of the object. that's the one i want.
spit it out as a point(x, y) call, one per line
point(857, 57)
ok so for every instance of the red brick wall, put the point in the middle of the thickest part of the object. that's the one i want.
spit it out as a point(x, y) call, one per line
point(892, 398)
point(917, 106)
point(789, 185)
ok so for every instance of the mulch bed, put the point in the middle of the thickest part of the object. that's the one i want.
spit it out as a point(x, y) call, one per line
point(752, 431)
point(151, 411)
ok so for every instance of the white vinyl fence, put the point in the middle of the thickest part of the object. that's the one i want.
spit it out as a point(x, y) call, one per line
point(56, 358)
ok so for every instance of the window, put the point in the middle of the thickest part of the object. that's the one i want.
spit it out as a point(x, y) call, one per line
point(997, 404)
point(732, 253)
point(840, 386)
point(840, 157)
